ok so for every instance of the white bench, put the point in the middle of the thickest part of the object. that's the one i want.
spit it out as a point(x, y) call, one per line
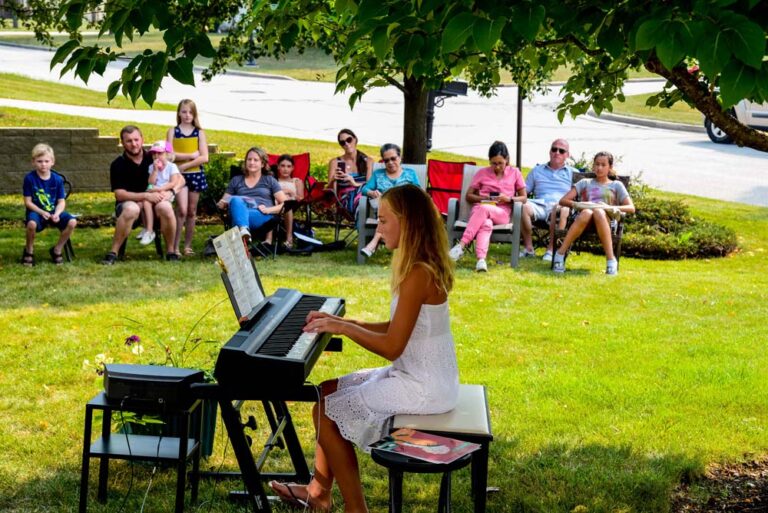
point(469, 421)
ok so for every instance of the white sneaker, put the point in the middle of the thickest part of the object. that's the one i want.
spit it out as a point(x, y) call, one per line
point(612, 267)
point(481, 266)
point(245, 232)
point(142, 233)
point(456, 252)
point(368, 252)
point(148, 238)
point(559, 266)
point(524, 253)
point(547, 256)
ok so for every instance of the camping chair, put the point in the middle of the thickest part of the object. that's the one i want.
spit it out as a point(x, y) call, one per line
point(589, 238)
point(444, 179)
point(458, 216)
point(69, 251)
point(301, 169)
point(257, 247)
point(367, 222)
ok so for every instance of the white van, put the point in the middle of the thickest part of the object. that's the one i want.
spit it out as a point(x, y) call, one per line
point(748, 113)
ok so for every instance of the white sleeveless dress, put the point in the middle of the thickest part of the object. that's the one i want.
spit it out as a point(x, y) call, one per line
point(423, 380)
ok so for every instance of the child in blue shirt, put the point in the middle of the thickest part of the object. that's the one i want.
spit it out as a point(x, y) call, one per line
point(44, 201)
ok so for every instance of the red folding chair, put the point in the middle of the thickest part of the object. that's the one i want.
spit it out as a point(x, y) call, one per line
point(444, 182)
point(301, 165)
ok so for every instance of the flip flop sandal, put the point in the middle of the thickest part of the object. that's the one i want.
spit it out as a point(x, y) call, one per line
point(291, 499)
point(189, 252)
point(56, 258)
point(27, 259)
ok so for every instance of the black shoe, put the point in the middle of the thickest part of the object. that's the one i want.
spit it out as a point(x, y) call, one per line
point(109, 259)
point(172, 257)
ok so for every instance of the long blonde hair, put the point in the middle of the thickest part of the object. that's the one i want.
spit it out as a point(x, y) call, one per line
point(192, 108)
point(423, 240)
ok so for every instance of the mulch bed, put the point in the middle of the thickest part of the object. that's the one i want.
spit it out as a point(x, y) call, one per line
point(730, 488)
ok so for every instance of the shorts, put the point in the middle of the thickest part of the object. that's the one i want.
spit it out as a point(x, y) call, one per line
point(42, 224)
point(541, 211)
point(196, 181)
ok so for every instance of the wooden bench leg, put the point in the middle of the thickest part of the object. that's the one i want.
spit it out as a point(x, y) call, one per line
point(395, 491)
point(480, 477)
point(444, 503)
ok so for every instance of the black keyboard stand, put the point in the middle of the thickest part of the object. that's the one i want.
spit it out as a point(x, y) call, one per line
point(283, 434)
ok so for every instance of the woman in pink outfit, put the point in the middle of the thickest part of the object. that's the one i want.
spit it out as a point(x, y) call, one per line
point(492, 192)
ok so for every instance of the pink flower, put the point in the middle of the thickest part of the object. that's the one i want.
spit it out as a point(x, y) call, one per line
point(133, 339)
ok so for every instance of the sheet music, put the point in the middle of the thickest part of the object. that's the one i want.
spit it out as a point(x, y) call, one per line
point(236, 263)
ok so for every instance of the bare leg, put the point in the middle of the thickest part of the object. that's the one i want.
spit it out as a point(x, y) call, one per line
point(603, 228)
point(288, 220)
point(371, 246)
point(149, 217)
point(128, 215)
point(191, 220)
point(526, 227)
point(182, 202)
point(164, 212)
point(577, 228)
point(30, 233)
point(64, 236)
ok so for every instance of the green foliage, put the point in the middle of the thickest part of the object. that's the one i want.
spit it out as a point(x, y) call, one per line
point(665, 229)
point(217, 177)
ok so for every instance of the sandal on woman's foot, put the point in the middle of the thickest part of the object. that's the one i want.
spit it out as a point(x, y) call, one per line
point(286, 492)
point(27, 259)
point(56, 258)
point(189, 252)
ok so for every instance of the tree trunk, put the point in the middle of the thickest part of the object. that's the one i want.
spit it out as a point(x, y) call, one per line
point(415, 121)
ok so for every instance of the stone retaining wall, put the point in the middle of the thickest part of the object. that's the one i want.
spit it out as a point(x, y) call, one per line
point(82, 155)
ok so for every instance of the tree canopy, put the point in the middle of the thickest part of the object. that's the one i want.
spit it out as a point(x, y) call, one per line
point(416, 45)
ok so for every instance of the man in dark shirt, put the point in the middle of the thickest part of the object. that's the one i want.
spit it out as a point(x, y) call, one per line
point(128, 177)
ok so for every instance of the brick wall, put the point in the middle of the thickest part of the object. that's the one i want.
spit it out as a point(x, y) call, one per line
point(82, 155)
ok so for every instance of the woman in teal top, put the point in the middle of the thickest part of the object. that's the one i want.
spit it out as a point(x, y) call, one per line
point(382, 180)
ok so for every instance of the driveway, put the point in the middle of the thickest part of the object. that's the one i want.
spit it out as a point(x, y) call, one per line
point(667, 159)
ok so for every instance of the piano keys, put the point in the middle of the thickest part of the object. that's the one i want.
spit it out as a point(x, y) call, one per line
point(271, 350)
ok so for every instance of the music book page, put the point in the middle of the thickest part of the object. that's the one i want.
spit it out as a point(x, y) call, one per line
point(235, 261)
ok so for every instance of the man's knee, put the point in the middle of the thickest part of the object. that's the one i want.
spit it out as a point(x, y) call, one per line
point(128, 211)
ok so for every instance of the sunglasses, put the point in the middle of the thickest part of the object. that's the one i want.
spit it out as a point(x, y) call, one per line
point(348, 140)
point(390, 159)
point(561, 151)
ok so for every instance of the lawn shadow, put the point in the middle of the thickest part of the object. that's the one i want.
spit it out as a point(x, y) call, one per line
point(592, 478)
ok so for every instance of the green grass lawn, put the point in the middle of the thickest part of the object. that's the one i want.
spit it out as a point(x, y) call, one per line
point(605, 393)
point(679, 113)
point(18, 87)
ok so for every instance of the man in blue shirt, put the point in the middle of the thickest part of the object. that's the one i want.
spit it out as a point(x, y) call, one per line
point(548, 183)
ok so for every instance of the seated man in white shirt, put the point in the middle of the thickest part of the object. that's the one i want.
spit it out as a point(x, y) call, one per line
point(548, 183)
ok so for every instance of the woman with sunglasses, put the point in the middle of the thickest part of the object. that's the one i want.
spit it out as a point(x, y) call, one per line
point(348, 172)
point(393, 175)
point(491, 194)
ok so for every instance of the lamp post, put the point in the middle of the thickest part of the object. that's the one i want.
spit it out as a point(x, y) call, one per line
point(437, 98)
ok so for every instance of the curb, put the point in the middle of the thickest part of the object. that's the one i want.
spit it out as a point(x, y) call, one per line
point(652, 123)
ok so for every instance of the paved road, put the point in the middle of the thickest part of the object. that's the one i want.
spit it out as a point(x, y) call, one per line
point(670, 160)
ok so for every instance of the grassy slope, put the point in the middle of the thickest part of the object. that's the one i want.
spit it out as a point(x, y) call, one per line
point(18, 87)
point(678, 113)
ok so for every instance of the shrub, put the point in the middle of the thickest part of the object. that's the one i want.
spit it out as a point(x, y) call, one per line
point(665, 229)
point(217, 176)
